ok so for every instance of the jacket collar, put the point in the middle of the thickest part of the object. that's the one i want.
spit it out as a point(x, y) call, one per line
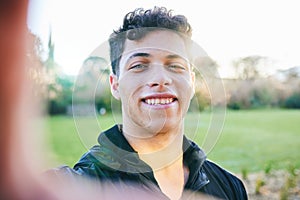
point(127, 159)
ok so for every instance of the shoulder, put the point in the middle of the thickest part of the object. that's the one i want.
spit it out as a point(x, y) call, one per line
point(91, 163)
point(228, 185)
point(100, 163)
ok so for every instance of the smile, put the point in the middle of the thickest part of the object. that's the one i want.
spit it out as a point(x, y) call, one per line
point(159, 101)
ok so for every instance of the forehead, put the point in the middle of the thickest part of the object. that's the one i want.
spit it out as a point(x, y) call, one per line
point(160, 40)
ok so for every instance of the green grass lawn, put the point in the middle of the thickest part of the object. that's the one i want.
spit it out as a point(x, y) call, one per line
point(250, 140)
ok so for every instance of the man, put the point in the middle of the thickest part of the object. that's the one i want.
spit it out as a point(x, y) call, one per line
point(153, 78)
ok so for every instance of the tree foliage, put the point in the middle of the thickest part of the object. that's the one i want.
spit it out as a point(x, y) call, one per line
point(91, 86)
point(246, 68)
point(293, 101)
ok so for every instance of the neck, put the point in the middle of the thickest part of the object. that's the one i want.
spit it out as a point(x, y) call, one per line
point(158, 150)
point(163, 153)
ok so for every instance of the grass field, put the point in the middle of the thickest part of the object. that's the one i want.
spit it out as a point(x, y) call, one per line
point(248, 140)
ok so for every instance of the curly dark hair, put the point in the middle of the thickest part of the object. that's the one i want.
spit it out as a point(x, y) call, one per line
point(134, 25)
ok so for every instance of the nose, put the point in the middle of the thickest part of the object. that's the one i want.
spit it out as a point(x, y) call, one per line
point(159, 77)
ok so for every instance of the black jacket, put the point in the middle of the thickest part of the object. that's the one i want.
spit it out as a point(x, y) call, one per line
point(115, 160)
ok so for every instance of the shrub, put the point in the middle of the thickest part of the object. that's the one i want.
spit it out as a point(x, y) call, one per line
point(258, 184)
point(268, 167)
point(244, 173)
point(293, 101)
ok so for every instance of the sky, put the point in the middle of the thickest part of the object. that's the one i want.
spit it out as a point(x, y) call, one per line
point(226, 30)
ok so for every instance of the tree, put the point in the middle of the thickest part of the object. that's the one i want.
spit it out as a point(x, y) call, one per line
point(92, 87)
point(35, 68)
point(246, 68)
point(59, 86)
point(293, 101)
point(209, 89)
point(50, 86)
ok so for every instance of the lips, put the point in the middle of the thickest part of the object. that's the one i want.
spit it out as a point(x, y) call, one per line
point(161, 99)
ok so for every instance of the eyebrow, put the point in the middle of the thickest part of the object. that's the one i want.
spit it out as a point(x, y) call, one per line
point(139, 55)
point(176, 56)
point(172, 56)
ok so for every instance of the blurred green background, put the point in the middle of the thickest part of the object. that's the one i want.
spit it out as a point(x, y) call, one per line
point(250, 139)
point(260, 129)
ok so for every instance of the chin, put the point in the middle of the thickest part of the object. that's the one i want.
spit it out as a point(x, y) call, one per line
point(164, 127)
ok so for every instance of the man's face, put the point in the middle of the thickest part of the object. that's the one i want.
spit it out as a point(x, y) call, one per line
point(155, 82)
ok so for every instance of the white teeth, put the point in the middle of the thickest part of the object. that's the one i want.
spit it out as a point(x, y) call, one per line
point(157, 101)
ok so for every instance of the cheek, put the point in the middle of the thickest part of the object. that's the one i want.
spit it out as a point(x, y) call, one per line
point(125, 95)
point(129, 89)
point(186, 90)
point(130, 79)
point(185, 84)
point(131, 82)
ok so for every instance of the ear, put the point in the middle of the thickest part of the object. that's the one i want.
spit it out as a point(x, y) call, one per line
point(114, 86)
point(193, 79)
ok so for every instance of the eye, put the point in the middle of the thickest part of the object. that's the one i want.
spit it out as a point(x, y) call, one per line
point(138, 67)
point(177, 67)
